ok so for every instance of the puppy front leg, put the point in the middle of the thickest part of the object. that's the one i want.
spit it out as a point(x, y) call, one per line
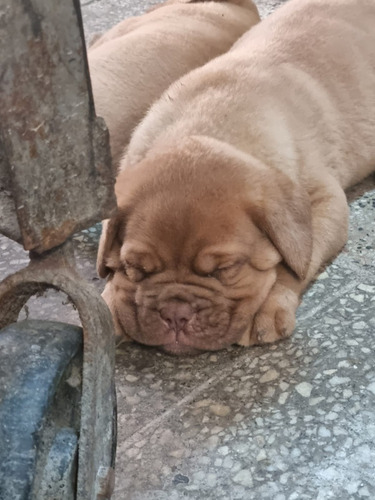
point(276, 318)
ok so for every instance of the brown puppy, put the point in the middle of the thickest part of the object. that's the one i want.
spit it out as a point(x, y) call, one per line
point(231, 195)
point(132, 64)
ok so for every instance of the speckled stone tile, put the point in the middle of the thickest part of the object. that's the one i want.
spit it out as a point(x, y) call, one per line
point(292, 421)
point(361, 244)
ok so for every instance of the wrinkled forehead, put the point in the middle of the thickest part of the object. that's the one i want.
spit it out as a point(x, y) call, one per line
point(179, 229)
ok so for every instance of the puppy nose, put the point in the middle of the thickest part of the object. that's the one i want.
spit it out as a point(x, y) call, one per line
point(176, 314)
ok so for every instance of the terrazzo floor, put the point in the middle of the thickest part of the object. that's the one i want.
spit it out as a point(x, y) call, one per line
point(291, 421)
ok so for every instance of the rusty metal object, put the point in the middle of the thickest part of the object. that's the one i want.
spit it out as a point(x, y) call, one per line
point(8, 218)
point(97, 428)
point(55, 148)
point(55, 179)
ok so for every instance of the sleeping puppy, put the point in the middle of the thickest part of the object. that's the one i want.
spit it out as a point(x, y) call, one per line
point(133, 63)
point(231, 194)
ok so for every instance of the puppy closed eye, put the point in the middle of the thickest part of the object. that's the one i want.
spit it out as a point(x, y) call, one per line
point(138, 262)
point(225, 273)
point(136, 273)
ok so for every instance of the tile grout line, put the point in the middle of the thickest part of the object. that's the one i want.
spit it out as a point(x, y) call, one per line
point(360, 274)
point(327, 303)
point(138, 435)
point(187, 399)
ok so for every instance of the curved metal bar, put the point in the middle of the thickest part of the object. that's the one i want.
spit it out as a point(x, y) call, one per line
point(96, 443)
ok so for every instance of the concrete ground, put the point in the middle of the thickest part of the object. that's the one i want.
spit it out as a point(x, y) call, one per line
point(292, 421)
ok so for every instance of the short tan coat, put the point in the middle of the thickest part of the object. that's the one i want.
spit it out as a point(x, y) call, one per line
point(231, 194)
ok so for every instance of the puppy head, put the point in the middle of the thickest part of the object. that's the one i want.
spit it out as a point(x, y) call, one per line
point(193, 250)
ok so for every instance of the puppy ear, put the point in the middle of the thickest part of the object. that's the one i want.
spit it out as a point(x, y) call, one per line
point(284, 214)
point(108, 258)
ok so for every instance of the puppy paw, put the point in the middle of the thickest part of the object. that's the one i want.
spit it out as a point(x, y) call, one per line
point(276, 319)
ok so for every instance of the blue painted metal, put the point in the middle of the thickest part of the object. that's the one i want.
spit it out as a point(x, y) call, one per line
point(37, 358)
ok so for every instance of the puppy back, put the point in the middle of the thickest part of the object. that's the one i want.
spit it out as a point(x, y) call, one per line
point(247, 4)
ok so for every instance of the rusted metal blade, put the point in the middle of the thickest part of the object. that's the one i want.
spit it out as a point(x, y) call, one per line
point(55, 174)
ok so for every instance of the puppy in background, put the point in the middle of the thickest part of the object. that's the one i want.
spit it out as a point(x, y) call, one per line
point(134, 62)
point(231, 195)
